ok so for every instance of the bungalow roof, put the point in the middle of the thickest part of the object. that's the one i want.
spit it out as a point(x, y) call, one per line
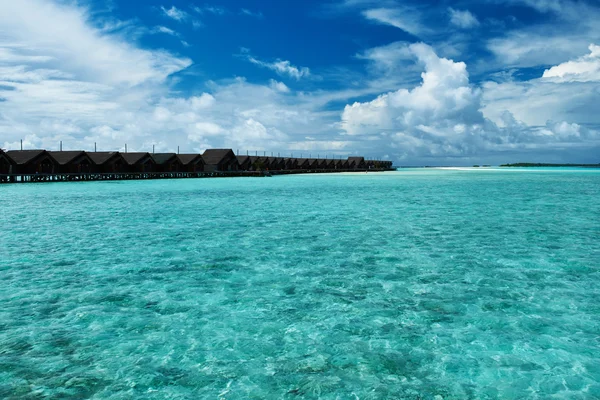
point(163, 158)
point(101, 157)
point(134, 158)
point(65, 157)
point(356, 160)
point(187, 159)
point(216, 156)
point(243, 159)
point(21, 157)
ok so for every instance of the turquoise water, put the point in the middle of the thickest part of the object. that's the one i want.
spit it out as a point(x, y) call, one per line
point(417, 284)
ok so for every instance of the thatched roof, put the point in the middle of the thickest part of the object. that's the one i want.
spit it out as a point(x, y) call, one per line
point(65, 157)
point(21, 157)
point(187, 159)
point(216, 156)
point(163, 158)
point(135, 158)
point(101, 157)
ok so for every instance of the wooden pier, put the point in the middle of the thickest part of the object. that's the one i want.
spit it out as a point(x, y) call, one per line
point(90, 177)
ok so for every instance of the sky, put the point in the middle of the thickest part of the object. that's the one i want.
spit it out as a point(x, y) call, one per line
point(416, 82)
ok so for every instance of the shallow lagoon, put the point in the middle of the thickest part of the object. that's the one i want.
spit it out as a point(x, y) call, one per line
point(413, 284)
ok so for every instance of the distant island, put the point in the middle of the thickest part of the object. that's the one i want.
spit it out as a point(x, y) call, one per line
point(550, 165)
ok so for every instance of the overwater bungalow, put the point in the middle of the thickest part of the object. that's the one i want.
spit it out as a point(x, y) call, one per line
point(290, 163)
point(220, 160)
point(329, 163)
point(108, 161)
point(32, 162)
point(277, 164)
point(139, 162)
point(302, 163)
point(191, 162)
point(72, 162)
point(313, 163)
point(244, 162)
point(356, 162)
point(6, 164)
point(323, 163)
point(167, 162)
point(266, 162)
point(260, 163)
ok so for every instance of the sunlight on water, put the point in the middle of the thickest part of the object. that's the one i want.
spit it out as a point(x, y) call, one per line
point(419, 284)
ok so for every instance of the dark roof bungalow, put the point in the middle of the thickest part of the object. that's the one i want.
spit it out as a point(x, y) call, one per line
point(313, 163)
point(191, 162)
point(167, 162)
point(323, 163)
point(72, 162)
point(277, 164)
point(342, 164)
point(108, 161)
point(290, 163)
point(6, 164)
point(260, 163)
point(329, 163)
point(32, 161)
point(220, 160)
point(302, 163)
point(245, 163)
point(139, 162)
point(356, 162)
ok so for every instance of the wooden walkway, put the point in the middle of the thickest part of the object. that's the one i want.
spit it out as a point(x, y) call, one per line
point(88, 177)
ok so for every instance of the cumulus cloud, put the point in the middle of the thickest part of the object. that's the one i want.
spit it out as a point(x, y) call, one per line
point(444, 116)
point(282, 67)
point(463, 19)
point(444, 95)
point(583, 69)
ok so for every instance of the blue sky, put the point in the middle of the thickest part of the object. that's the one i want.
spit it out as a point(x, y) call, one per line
point(419, 83)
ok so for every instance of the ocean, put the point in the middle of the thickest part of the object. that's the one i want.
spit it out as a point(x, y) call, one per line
point(416, 284)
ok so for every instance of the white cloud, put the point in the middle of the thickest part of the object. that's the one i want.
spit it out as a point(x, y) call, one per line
point(255, 14)
point(446, 116)
point(210, 9)
point(279, 86)
point(390, 57)
point(444, 95)
point(583, 69)
point(175, 13)
point(282, 67)
point(165, 30)
point(38, 27)
point(463, 19)
point(562, 36)
point(406, 19)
